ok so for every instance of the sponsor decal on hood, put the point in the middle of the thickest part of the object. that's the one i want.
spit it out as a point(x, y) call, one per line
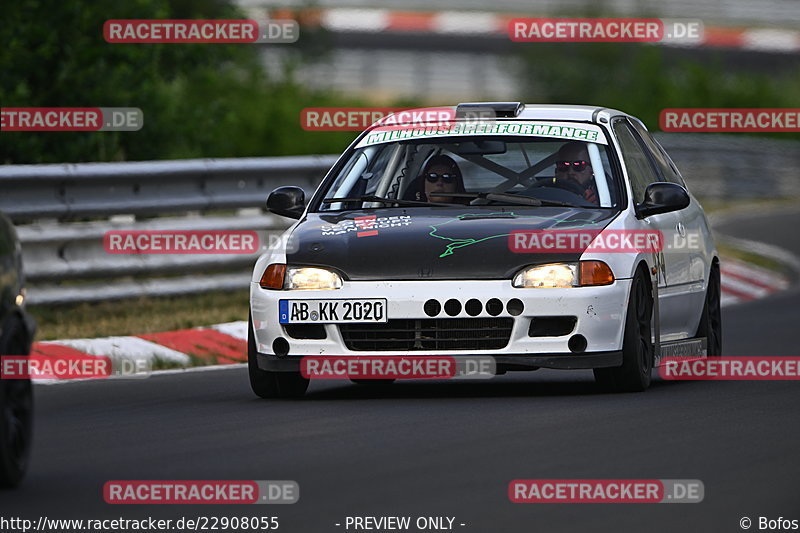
point(432, 243)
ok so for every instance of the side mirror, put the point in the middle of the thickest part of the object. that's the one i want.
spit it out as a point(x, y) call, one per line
point(662, 198)
point(287, 202)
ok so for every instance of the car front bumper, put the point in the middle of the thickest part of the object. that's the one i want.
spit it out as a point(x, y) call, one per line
point(599, 313)
point(503, 363)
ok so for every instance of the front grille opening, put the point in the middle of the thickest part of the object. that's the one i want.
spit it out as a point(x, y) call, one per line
point(552, 326)
point(305, 331)
point(429, 334)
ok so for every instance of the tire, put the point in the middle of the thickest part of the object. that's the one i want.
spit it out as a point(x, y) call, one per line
point(373, 382)
point(637, 346)
point(711, 320)
point(16, 414)
point(266, 384)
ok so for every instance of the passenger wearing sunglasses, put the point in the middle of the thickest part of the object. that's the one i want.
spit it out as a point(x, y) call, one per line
point(440, 176)
point(574, 171)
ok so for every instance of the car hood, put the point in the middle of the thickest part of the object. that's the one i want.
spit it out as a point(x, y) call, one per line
point(432, 243)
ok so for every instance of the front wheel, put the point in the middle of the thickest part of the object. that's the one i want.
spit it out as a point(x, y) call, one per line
point(267, 384)
point(637, 346)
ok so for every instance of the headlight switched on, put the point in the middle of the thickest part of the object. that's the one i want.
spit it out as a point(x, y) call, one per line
point(561, 275)
point(282, 277)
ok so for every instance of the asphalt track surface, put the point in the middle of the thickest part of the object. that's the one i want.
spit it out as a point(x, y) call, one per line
point(440, 449)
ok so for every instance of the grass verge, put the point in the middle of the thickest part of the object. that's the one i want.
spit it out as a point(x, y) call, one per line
point(774, 265)
point(136, 317)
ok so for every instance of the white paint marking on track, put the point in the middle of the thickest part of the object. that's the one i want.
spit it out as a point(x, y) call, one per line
point(462, 22)
point(759, 275)
point(171, 371)
point(344, 19)
point(234, 329)
point(132, 348)
point(728, 299)
point(743, 281)
point(738, 286)
point(771, 39)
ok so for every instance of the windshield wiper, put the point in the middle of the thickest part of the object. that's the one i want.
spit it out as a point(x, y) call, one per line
point(555, 203)
point(372, 198)
point(512, 198)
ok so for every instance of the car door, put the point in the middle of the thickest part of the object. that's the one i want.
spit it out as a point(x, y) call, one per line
point(641, 173)
point(685, 255)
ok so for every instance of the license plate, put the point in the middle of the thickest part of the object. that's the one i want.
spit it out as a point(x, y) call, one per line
point(331, 311)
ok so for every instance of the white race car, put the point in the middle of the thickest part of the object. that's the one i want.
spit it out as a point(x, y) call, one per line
point(546, 236)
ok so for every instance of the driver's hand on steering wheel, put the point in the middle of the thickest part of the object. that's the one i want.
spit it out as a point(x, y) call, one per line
point(574, 186)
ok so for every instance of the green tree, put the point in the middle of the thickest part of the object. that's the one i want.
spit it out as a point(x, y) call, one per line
point(198, 100)
point(643, 79)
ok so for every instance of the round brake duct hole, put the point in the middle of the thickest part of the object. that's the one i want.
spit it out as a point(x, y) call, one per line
point(577, 343)
point(280, 347)
point(473, 307)
point(432, 307)
point(515, 307)
point(452, 307)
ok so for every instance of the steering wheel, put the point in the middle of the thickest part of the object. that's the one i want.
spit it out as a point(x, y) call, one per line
point(568, 185)
point(563, 191)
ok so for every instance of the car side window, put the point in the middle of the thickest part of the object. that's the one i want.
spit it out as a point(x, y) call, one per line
point(640, 169)
point(669, 172)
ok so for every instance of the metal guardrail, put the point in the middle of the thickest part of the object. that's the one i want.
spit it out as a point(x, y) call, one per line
point(63, 253)
point(735, 166)
point(32, 192)
point(75, 251)
point(65, 260)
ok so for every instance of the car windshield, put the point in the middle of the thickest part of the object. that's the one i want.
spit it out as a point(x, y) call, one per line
point(474, 170)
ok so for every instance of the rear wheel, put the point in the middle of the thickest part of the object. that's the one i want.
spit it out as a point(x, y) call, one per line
point(267, 384)
point(711, 320)
point(637, 346)
point(16, 415)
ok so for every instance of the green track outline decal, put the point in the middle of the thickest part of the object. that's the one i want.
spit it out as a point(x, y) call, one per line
point(455, 244)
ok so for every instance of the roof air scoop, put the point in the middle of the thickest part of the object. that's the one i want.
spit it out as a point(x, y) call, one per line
point(486, 110)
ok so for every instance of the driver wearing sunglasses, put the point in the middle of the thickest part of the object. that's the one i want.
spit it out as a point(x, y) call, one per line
point(440, 176)
point(574, 171)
